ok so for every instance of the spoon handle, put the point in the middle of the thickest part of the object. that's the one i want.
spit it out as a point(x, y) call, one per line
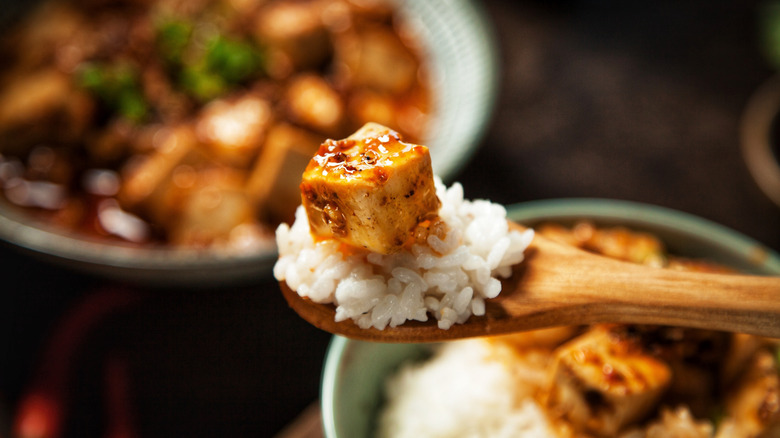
point(570, 286)
point(561, 285)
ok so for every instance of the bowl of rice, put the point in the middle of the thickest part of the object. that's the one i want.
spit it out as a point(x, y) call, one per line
point(458, 60)
point(465, 388)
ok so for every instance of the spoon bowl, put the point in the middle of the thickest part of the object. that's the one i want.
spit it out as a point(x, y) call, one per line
point(561, 285)
point(355, 372)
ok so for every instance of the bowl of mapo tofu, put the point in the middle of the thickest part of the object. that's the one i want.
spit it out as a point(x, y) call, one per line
point(164, 140)
point(602, 380)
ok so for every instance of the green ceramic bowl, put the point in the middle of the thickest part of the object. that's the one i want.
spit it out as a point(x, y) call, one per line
point(461, 49)
point(354, 371)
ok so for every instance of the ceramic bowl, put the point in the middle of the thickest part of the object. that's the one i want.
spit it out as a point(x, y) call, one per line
point(760, 138)
point(355, 371)
point(460, 47)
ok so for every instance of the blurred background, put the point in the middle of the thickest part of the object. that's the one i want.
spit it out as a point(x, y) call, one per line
point(638, 101)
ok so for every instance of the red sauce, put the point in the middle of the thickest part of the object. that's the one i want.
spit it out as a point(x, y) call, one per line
point(349, 158)
point(98, 86)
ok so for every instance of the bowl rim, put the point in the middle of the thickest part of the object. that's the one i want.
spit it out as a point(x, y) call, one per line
point(479, 95)
point(760, 114)
point(154, 265)
point(330, 381)
point(170, 266)
point(639, 214)
point(636, 213)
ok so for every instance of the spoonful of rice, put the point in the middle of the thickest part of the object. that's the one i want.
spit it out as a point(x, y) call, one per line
point(381, 250)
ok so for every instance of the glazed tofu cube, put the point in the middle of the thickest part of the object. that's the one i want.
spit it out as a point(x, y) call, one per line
point(47, 29)
point(741, 351)
point(31, 97)
point(295, 36)
point(212, 209)
point(275, 180)
point(145, 176)
point(678, 423)
point(314, 103)
point(370, 190)
point(753, 406)
point(44, 98)
point(694, 356)
point(408, 114)
point(233, 130)
point(603, 380)
point(367, 106)
point(541, 339)
point(377, 58)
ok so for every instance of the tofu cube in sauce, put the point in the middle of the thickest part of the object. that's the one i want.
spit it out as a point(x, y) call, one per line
point(602, 381)
point(370, 190)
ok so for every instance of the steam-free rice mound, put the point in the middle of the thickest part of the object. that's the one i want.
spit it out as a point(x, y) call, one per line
point(449, 278)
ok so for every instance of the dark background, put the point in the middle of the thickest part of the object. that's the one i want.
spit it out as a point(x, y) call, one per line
point(627, 100)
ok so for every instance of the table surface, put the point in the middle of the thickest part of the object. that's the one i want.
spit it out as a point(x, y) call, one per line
point(638, 101)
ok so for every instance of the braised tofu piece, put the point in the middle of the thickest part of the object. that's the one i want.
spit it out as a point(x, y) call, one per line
point(684, 264)
point(233, 130)
point(46, 98)
point(214, 206)
point(409, 114)
point(295, 35)
point(615, 242)
point(370, 190)
point(377, 58)
point(367, 106)
point(602, 381)
point(545, 339)
point(742, 349)
point(117, 140)
point(314, 103)
point(49, 28)
point(679, 423)
point(274, 181)
point(695, 358)
point(28, 99)
point(753, 406)
point(146, 175)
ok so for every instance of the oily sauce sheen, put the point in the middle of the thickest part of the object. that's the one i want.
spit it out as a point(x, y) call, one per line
point(180, 123)
point(370, 190)
point(349, 158)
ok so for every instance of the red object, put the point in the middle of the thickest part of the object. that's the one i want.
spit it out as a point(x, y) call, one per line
point(39, 416)
point(42, 410)
point(120, 419)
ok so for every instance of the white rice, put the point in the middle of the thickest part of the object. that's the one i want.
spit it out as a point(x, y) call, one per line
point(378, 290)
point(432, 399)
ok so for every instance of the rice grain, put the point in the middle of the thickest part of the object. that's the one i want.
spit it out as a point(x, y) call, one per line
point(448, 278)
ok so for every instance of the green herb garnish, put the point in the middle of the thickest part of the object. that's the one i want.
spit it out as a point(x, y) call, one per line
point(202, 84)
point(233, 60)
point(206, 66)
point(117, 86)
point(173, 37)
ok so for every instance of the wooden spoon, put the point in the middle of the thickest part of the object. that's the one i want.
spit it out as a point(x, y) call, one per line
point(561, 285)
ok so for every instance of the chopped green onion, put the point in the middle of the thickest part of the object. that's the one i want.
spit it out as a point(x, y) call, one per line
point(201, 83)
point(91, 77)
point(173, 37)
point(224, 64)
point(206, 66)
point(234, 60)
point(132, 105)
point(117, 86)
